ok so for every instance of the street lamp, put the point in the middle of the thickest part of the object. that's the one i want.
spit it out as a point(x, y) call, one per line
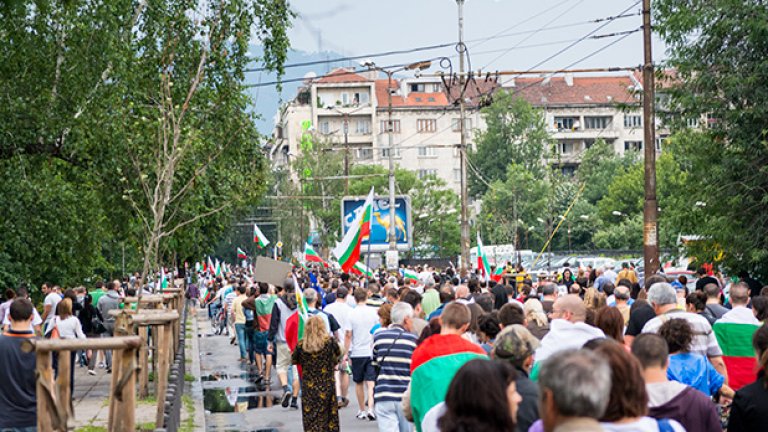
point(392, 262)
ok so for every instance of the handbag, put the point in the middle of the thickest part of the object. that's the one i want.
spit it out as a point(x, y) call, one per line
point(97, 326)
point(54, 332)
point(376, 364)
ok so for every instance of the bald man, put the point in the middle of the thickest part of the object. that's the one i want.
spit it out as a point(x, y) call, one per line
point(566, 330)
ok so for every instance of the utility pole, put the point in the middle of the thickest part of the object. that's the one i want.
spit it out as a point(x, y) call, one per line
point(392, 226)
point(463, 144)
point(346, 154)
point(650, 207)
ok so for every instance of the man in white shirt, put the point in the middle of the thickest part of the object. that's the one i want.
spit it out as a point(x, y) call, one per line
point(36, 319)
point(52, 299)
point(340, 311)
point(739, 313)
point(359, 346)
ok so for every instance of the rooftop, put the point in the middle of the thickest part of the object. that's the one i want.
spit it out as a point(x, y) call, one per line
point(568, 90)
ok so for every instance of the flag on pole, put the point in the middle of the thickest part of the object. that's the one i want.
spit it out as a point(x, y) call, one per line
point(361, 269)
point(348, 251)
point(198, 267)
point(409, 275)
point(241, 254)
point(258, 237)
point(496, 276)
point(482, 261)
point(301, 308)
point(310, 255)
point(735, 339)
point(217, 269)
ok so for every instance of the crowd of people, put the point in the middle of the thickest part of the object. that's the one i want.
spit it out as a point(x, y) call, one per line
point(455, 351)
point(583, 350)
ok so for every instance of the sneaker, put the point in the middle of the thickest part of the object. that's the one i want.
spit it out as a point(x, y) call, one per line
point(361, 415)
point(102, 365)
point(91, 372)
point(109, 370)
point(294, 403)
point(371, 415)
point(286, 399)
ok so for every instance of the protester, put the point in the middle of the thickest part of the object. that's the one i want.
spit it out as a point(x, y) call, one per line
point(283, 308)
point(37, 321)
point(663, 299)
point(749, 411)
point(317, 354)
point(437, 359)
point(536, 319)
point(52, 299)
point(575, 388)
point(109, 301)
point(628, 404)
point(672, 399)
point(512, 313)
point(609, 320)
point(69, 327)
point(238, 313)
point(492, 410)
point(548, 297)
point(689, 367)
point(18, 402)
point(340, 310)
point(734, 331)
point(488, 328)
point(392, 351)
point(516, 345)
point(358, 341)
point(413, 298)
point(713, 306)
point(567, 329)
point(92, 324)
point(626, 273)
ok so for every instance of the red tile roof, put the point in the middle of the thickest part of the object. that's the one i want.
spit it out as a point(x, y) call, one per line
point(584, 91)
point(342, 75)
point(413, 99)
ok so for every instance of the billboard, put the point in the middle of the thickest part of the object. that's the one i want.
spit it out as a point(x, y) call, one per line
point(350, 207)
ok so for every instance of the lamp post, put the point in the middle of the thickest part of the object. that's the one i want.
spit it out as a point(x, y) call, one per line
point(463, 144)
point(392, 227)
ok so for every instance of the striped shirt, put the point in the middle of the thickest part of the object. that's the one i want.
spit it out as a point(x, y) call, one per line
point(394, 356)
point(704, 341)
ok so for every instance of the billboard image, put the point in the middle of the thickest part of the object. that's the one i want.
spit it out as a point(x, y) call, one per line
point(380, 221)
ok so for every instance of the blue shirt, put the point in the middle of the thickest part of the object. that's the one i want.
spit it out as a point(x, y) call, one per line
point(696, 371)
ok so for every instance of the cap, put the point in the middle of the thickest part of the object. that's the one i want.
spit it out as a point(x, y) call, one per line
point(514, 343)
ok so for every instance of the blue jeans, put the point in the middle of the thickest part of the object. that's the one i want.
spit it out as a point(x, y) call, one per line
point(242, 342)
point(250, 338)
point(390, 417)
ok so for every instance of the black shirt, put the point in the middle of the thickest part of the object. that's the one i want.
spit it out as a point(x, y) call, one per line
point(638, 316)
point(18, 403)
point(706, 280)
point(749, 411)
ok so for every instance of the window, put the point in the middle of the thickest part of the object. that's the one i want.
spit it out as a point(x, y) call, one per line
point(385, 152)
point(365, 154)
point(588, 143)
point(633, 121)
point(711, 120)
point(430, 99)
point(601, 122)
point(565, 123)
point(660, 140)
point(692, 122)
point(455, 123)
point(457, 174)
point(426, 151)
point(395, 126)
point(418, 99)
point(567, 147)
point(345, 98)
point(568, 170)
point(422, 173)
point(435, 88)
point(363, 127)
point(418, 87)
point(633, 145)
point(361, 98)
point(325, 127)
point(426, 125)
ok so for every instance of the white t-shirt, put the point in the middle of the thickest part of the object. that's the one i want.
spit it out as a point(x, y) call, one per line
point(36, 319)
point(361, 321)
point(51, 300)
point(340, 311)
point(645, 424)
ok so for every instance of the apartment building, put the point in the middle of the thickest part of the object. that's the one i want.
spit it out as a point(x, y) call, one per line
point(352, 109)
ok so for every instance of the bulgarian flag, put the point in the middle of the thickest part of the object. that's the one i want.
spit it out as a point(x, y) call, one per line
point(496, 276)
point(310, 255)
point(217, 270)
point(163, 279)
point(258, 237)
point(211, 267)
point(482, 261)
point(348, 251)
point(433, 365)
point(301, 308)
point(735, 339)
point(409, 275)
point(361, 269)
point(241, 254)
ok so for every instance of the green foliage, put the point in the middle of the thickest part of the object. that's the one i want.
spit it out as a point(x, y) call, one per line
point(600, 164)
point(515, 133)
point(436, 210)
point(719, 49)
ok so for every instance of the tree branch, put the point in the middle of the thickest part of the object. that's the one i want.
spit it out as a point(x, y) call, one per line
point(194, 219)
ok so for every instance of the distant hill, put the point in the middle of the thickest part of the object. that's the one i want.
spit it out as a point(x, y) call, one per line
point(267, 99)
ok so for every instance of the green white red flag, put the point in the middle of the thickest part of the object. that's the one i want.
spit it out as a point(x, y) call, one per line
point(241, 254)
point(735, 339)
point(259, 237)
point(310, 255)
point(361, 269)
point(301, 308)
point(482, 261)
point(348, 251)
point(496, 276)
point(409, 275)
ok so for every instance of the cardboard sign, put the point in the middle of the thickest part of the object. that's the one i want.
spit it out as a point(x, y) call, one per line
point(271, 271)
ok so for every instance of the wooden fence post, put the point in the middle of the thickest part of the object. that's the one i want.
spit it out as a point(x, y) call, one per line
point(143, 363)
point(124, 394)
point(46, 399)
point(161, 377)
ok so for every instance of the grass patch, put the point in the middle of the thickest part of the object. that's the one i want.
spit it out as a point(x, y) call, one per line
point(189, 378)
point(188, 425)
point(148, 426)
point(149, 400)
point(151, 376)
point(91, 428)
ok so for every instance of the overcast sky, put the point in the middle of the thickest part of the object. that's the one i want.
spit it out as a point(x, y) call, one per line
point(359, 27)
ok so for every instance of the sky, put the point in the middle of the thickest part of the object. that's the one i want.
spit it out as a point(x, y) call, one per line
point(360, 27)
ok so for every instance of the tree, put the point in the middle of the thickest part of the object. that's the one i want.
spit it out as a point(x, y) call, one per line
point(719, 50)
point(599, 165)
point(515, 133)
point(435, 210)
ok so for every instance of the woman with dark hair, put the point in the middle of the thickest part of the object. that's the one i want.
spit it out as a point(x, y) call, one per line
point(749, 411)
point(760, 308)
point(568, 278)
point(690, 368)
point(611, 322)
point(432, 328)
point(91, 322)
point(696, 302)
point(488, 327)
point(628, 405)
point(493, 409)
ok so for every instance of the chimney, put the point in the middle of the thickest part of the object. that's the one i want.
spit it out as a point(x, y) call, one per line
point(569, 79)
